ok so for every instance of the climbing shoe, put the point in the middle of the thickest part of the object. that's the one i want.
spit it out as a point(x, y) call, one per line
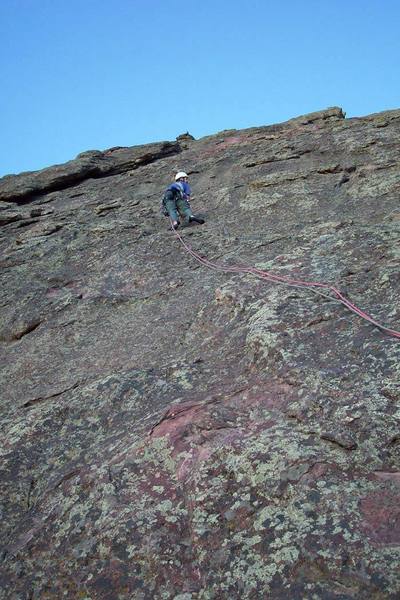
point(196, 219)
point(175, 224)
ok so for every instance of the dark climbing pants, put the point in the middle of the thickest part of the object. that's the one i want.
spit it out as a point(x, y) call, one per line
point(174, 206)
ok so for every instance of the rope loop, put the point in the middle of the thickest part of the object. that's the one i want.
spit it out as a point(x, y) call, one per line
point(314, 286)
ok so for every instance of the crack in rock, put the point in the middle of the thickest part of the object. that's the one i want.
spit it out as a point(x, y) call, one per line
point(35, 401)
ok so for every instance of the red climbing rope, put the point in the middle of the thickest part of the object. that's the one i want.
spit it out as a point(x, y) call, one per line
point(313, 286)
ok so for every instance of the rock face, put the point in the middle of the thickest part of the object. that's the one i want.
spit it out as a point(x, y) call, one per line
point(92, 164)
point(173, 432)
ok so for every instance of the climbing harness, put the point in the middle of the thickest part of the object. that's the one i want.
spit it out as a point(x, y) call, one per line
point(316, 287)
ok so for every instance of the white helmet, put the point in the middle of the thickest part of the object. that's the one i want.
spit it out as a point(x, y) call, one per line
point(180, 175)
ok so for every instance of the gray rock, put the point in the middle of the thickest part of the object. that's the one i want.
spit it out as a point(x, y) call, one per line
point(92, 164)
point(9, 216)
point(173, 431)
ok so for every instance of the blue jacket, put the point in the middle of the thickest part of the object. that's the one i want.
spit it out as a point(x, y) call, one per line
point(182, 187)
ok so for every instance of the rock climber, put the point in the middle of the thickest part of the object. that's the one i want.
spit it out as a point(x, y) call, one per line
point(176, 201)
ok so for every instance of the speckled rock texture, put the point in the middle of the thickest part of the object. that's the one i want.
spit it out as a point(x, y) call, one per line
point(173, 432)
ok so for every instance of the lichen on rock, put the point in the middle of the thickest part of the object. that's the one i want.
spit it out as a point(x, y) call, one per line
point(176, 432)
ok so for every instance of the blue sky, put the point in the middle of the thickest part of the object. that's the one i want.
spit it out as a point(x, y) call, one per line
point(91, 74)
